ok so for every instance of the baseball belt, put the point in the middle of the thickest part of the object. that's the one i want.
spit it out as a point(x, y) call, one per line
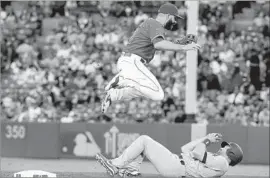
point(183, 163)
point(130, 54)
point(181, 160)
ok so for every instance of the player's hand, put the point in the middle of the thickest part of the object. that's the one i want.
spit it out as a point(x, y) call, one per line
point(188, 39)
point(214, 137)
point(192, 46)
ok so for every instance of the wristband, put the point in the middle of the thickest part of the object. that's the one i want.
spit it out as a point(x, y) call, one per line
point(207, 142)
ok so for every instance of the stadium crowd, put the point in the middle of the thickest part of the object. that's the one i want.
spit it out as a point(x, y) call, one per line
point(60, 75)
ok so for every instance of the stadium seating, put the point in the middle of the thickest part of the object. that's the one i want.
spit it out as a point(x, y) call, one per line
point(55, 65)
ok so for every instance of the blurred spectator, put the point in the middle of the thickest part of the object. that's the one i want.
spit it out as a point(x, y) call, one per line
point(58, 8)
point(59, 75)
point(202, 119)
point(69, 118)
point(264, 117)
point(259, 20)
point(236, 78)
point(140, 18)
point(237, 97)
point(254, 68)
point(267, 70)
point(212, 81)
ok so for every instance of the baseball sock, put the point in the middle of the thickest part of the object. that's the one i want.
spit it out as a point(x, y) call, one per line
point(132, 153)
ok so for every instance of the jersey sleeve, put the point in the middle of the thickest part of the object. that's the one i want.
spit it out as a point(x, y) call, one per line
point(215, 162)
point(156, 31)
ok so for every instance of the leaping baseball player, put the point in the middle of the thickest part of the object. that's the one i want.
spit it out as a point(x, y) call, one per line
point(194, 160)
point(133, 78)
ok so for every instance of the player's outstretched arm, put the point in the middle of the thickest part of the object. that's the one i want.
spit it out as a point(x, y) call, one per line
point(170, 46)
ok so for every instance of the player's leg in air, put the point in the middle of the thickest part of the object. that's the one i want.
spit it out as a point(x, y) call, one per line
point(133, 80)
point(165, 162)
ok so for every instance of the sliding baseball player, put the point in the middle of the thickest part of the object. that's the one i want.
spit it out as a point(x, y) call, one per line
point(133, 78)
point(194, 160)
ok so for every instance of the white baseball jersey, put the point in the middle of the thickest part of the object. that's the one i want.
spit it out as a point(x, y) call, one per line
point(214, 166)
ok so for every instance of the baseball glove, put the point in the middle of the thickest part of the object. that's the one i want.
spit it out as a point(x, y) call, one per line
point(187, 39)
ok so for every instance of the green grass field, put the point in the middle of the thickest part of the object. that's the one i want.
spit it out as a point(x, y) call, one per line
point(70, 168)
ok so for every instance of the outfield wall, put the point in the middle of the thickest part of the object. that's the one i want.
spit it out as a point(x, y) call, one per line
point(84, 140)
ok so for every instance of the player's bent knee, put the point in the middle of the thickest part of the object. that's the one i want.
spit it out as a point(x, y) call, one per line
point(145, 137)
point(162, 95)
point(158, 96)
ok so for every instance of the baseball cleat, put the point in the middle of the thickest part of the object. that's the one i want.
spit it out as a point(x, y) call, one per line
point(106, 103)
point(113, 83)
point(107, 164)
point(128, 172)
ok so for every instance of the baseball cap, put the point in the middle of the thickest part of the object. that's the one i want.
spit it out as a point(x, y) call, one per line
point(169, 8)
point(235, 152)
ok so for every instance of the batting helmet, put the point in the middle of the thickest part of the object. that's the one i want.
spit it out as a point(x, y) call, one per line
point(235, 152)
